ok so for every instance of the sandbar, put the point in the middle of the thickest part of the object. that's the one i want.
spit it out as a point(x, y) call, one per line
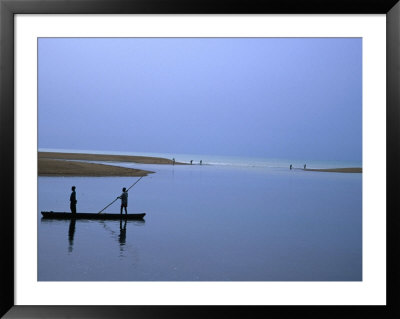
point(67, 164)
point(107, 158)
point(54, 167)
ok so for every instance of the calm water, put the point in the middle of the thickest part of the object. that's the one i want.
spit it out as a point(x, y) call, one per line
point(207, 223)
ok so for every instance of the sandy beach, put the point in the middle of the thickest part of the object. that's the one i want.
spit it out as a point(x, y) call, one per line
point(337, 170)
point(61, 164)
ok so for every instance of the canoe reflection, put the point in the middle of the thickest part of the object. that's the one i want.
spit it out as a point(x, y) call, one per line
point(121, 237)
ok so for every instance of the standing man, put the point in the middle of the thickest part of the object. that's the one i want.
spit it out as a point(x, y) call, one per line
point(73, 200)
point(124, 200)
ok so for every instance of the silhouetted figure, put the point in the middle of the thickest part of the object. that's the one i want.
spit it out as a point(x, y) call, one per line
point(71, 233)
point(173, 161)
point(201, 162)
point(124, 200)
point(73, 201)
point(304, 166)
point(191, 161)
point(290, 166)
point(122, 232)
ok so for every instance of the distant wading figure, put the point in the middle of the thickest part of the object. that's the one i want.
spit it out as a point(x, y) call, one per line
point(72, 200)
point(173, 161)
point(290, 166)
point(124, 200)
point(304, 166)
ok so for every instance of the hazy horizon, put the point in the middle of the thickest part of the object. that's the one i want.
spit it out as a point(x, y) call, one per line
point(295, 98)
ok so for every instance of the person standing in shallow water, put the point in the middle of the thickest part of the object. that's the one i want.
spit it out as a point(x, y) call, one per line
point(73, 201)
point(124, 200)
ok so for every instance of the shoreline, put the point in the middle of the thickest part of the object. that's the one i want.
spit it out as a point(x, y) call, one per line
point(67, 164)
point(336, 170)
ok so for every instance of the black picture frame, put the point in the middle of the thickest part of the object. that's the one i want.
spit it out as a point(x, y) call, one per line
point(8, 8)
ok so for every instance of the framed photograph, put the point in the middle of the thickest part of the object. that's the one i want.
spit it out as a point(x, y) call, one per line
point(189, 159)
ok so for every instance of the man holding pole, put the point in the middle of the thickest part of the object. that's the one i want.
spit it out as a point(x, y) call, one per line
point(124, 200)
point(123, 197)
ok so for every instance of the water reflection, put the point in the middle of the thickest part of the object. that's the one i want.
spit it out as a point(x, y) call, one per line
point(122, 234)
point(121, 237)
point(71, 234)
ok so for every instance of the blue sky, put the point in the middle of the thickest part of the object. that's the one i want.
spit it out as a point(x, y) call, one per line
point(294, 98)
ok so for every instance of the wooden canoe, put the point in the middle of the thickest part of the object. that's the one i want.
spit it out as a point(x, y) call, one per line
point(64, 215)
